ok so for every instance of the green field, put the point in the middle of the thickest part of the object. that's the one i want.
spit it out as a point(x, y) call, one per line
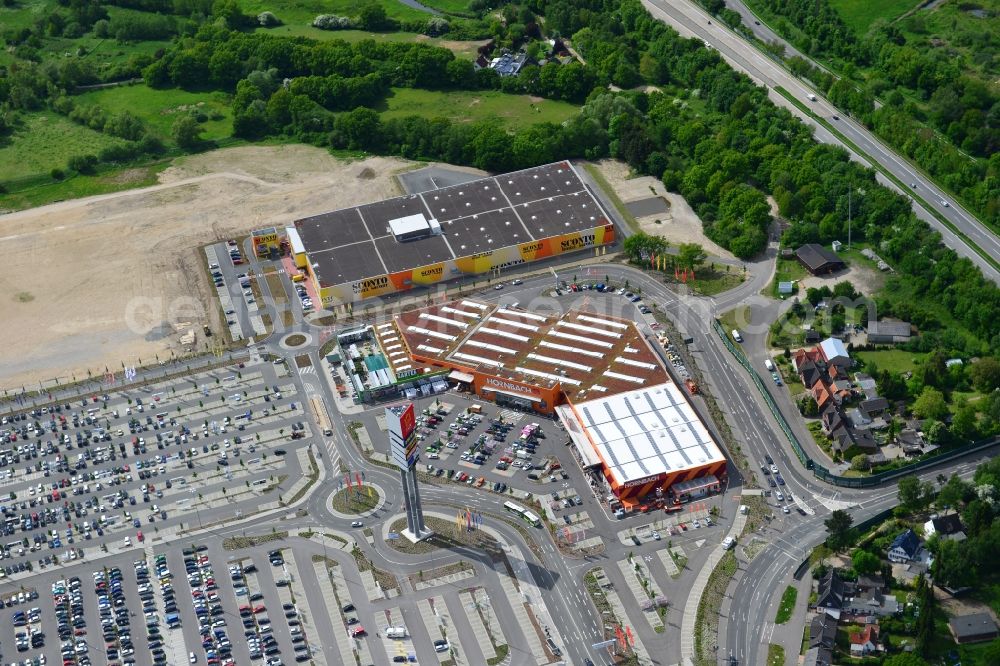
point(893, 360)
point(466, 50)
point(859, 15)
point(75, 187)
point(465, 106)
point(46, 141)
point(159, 109)
point(302, 12)
point(448, 6)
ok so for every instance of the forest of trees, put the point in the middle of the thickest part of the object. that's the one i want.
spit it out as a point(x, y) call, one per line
point(921, 85)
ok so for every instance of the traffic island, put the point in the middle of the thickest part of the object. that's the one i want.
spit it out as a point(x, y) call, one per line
point(356, 501)
point(447, 534)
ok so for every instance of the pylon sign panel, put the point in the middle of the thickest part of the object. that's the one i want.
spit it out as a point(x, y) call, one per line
point(403, 445)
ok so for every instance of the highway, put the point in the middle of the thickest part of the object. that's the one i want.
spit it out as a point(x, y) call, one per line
point(692, 21)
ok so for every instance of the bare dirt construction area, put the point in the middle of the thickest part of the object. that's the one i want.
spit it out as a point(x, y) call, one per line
point(117, 278)
point(679, 224)
point(865, 279)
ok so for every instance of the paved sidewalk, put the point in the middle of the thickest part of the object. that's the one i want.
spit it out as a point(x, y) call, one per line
point(690, 617)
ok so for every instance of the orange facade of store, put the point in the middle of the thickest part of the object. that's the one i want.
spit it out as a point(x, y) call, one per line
point(633, 492)
point(486, 386)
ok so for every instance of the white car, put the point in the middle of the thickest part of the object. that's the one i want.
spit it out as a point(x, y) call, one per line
point(357, 523)
point(944, 203)
point(192, 658)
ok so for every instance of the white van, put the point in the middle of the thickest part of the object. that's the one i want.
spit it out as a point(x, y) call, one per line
point(395, 632)
point(728, 542)
point(737, 336)
point(769, 365)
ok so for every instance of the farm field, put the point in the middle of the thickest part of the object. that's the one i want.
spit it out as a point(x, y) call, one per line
point(471, 106)
point(159, 109)
point(46, 141)
point(302, 12)
point(859, 15)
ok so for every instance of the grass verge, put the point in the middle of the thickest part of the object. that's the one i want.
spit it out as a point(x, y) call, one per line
point(385, 579)
point(775, 655)
point(706, 630)
point(355, 502)
point(788, 598)
point(876, 165)
point(605, 186)
point(235, 543)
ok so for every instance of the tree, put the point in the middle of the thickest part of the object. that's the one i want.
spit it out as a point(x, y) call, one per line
point(909, 493)
point(952, 565)
point(985, 374)
point(953, 492)
point(860, 462)
point(691, 255)
point(930, 404)
point(865, 562)
point(186, 132)
point(838, 527)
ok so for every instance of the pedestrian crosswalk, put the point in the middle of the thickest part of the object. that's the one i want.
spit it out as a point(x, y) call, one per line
point(511, 416)
point(308, 370)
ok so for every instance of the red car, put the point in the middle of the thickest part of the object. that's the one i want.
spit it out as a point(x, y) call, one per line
point(357, 631)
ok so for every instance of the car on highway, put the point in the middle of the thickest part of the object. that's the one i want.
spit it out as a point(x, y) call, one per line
point(517, 283)
point(498, 287)
point(944, 203)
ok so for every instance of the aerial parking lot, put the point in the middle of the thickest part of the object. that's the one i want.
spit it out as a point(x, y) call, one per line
point(115, 470)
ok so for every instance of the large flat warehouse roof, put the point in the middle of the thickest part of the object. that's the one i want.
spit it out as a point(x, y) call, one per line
point(646, 432)
point(589, 354)
point(484, 215)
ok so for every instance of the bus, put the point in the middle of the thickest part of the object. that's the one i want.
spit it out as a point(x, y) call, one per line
point(526, 515)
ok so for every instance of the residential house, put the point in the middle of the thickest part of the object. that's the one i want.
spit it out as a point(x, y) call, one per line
point(905, 547)
point(874, 407)
point(948, 526)
point(508, 64)
point(802, 356)
point(812, 336)
point(911, 441)
point(865, 642)
point(973, 628)
point(888, 332)
point(871, 603)
point(832, 419)
point(823, 631)
point(835, 353)
point(858, 418)
point(818, 260)
point(866, 383)
point(822, 656)
point(830, 593)
point(809, 374)
point(870, 583)
point(822, 394)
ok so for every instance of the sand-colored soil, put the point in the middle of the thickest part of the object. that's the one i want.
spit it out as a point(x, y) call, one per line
point(865, 279)
point(93, 282)
point(680, 224)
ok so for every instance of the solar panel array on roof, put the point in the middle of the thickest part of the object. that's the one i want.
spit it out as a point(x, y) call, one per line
point(480, 216)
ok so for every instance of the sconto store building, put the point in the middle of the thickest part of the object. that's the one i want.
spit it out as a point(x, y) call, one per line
point(598, 374)
point(484, 226)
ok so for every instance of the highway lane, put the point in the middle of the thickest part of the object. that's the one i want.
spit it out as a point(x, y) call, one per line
point(692, 21)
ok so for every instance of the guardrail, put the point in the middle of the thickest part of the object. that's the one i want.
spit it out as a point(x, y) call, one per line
point(820, 471)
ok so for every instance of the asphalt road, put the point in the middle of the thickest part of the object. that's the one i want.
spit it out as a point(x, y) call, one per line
point(691, 20)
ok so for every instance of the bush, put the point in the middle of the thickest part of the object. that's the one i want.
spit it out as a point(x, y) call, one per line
point(332, 22)
point(268, 20)
point(82, 163)
point(436, 26)
point(57, 174)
